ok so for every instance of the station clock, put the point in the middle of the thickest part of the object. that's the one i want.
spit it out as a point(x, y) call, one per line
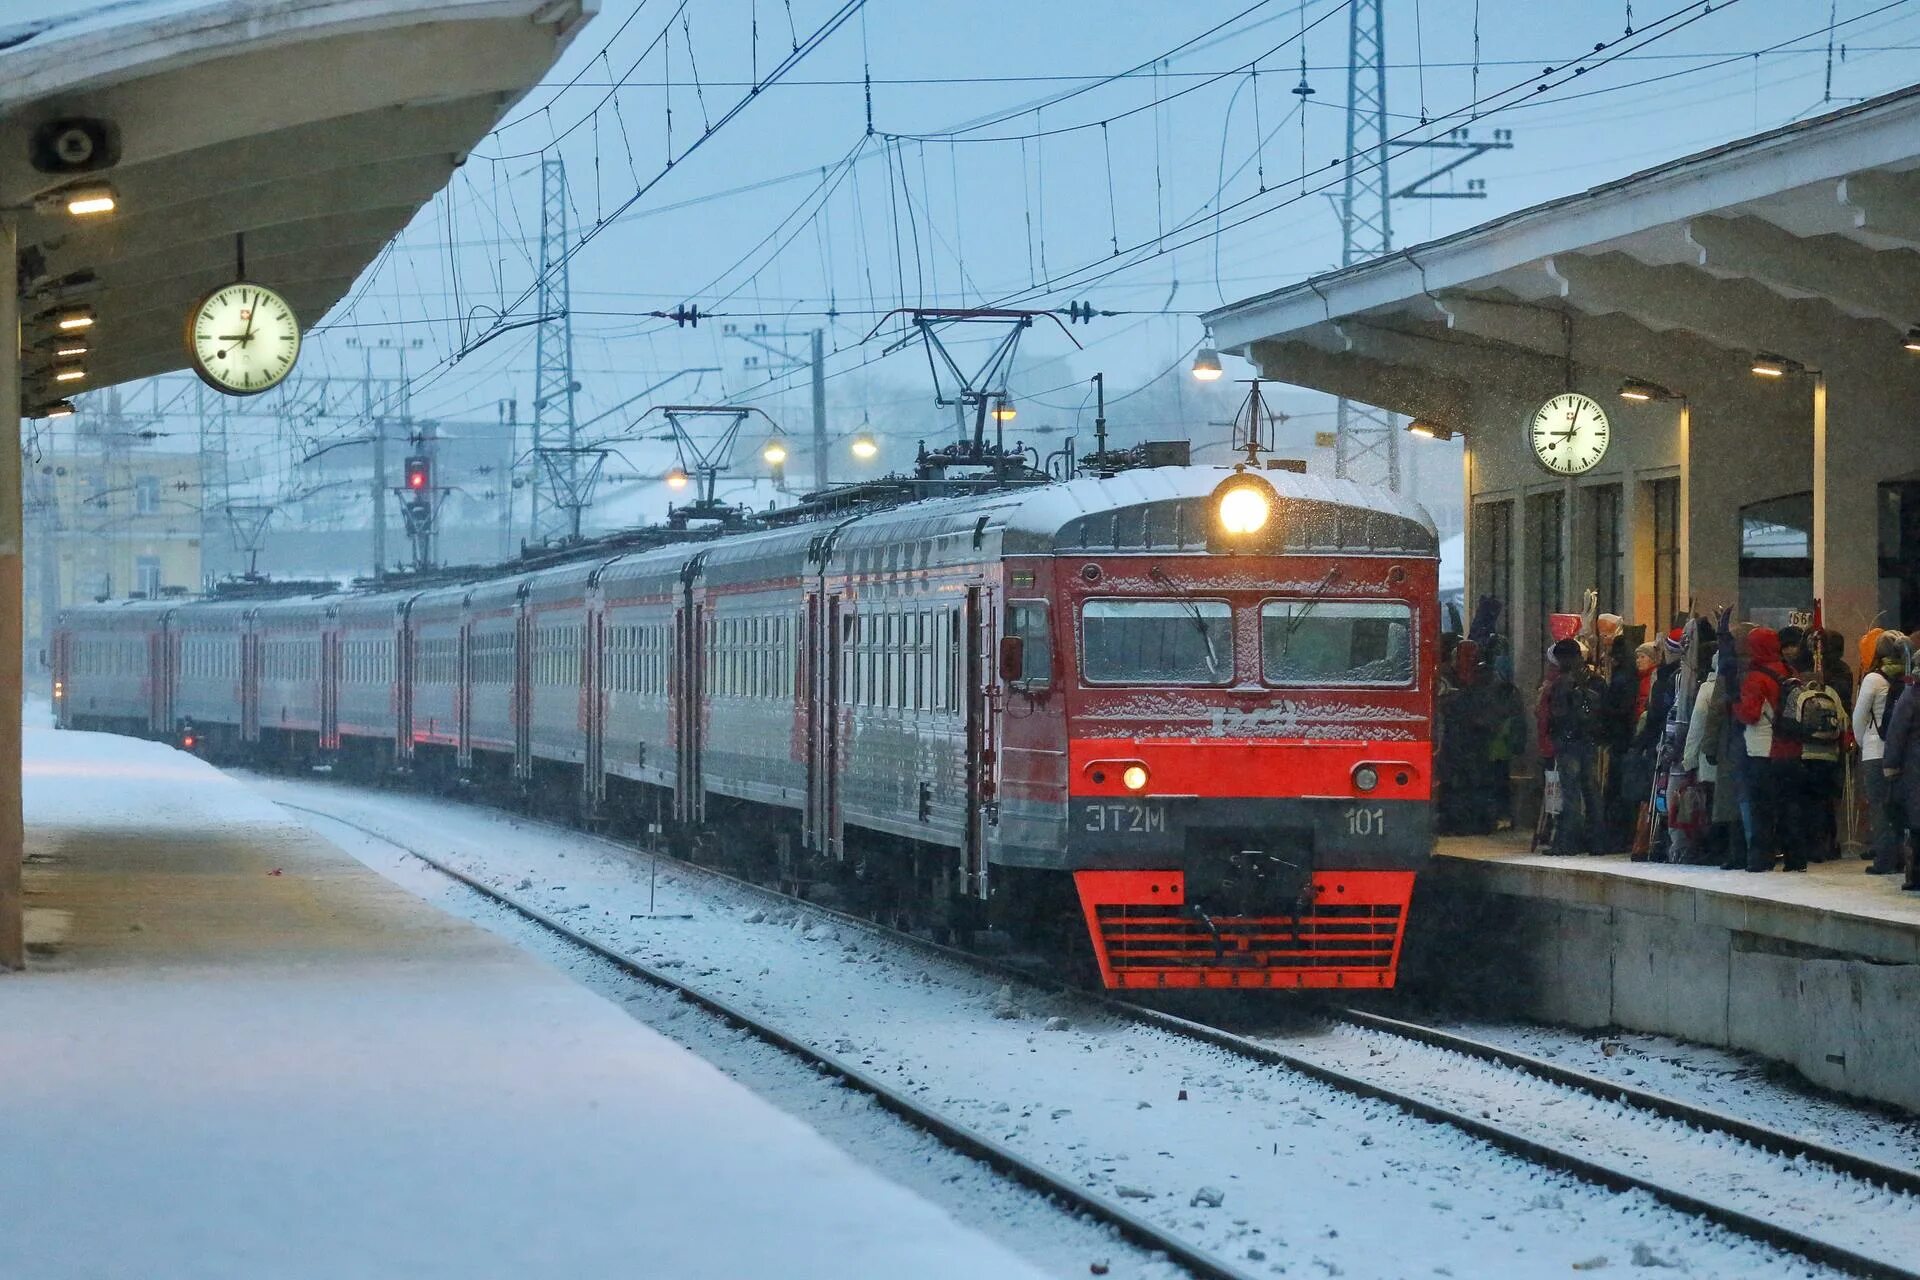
point(1570, 434)
point(242, 338)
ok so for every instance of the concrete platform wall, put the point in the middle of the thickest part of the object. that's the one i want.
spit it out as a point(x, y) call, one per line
point(1846, 1015)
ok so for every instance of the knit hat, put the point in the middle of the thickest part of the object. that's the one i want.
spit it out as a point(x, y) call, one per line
point(1565, 653)
point(1674, 645)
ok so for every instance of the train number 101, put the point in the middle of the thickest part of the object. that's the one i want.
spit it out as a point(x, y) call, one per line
point(1366, 822)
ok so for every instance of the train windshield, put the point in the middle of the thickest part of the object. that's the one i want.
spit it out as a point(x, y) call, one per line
point(1156, 641)
point(1321, 642)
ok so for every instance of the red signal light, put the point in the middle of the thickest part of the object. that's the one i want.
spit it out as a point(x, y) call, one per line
point(419, 475)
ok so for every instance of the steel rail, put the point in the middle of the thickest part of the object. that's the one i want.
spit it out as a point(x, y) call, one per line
point(1791, 1146)
point(949, 1132)
point(1499, 1136)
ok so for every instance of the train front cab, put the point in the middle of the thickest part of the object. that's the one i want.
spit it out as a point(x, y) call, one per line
point(1249, 762)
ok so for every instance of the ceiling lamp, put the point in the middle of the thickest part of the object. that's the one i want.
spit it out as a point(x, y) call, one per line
point(70, 348)
point(1641, 391)
point(1913, 339)
point(69, 373)
point(72, 319)
point(89, 199)
point(57, 409)
point(1428, 429)
point(864, 446)
point(1206, 365)
point(1768, 365)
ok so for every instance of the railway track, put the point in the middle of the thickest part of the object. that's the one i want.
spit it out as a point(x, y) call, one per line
point(1503, 1133)
point(958, 1137)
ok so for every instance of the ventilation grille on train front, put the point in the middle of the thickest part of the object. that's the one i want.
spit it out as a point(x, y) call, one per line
point(1153, 936)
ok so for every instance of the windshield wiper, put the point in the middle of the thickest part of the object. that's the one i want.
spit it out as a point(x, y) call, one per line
point(1319, 594)
point(1193, 611)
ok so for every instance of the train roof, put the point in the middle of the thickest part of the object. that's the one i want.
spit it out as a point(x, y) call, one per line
point(1158, 509)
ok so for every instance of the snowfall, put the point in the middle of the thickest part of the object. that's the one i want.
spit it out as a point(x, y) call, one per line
point(484, 1119)
point(375, 1089)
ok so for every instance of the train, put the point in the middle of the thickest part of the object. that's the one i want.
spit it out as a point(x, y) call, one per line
point(1187, 710)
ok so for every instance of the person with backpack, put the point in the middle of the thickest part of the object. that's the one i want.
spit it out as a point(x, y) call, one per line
point(1812, 715)
point(1571, 723)
point(1773, 758)
point(1880, 693)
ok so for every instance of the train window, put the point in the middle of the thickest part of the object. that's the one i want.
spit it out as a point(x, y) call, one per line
point(1329, 642)
point(1156, 642)
point(1030, 622)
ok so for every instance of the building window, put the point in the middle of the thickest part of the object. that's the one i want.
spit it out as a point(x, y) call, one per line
point(146, 576)
point(1666, 552)
point(1545, 513)
point(146, 495)
point(1493, 554)
point(1603, 528)
point(1776, 558)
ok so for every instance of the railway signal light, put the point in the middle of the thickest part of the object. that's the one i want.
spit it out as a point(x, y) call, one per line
point(419, 476)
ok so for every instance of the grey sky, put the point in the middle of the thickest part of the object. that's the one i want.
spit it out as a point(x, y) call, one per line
point(994, 220)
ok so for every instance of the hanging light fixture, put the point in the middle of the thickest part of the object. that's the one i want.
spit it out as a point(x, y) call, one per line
point(676, 478)
point(774, 451)
point(1206, 365)
point(864, 446)
point(1428, 429)
point(1768, 365)
point(1640, 391)
point(1003, 410)
point(89, 199)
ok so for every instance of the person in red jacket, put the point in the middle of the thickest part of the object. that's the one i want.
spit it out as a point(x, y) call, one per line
point(1772, 762)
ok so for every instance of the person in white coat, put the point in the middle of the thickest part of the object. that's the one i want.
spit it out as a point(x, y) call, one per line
point(1699, 756)
point(1872, 714)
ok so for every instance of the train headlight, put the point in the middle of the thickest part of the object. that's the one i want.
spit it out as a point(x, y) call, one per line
point(1134, 777)
point(1243, 507)
point(1366, 778)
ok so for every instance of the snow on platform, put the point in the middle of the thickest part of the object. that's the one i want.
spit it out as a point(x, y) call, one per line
point(1832, 905)
point(238, 1052)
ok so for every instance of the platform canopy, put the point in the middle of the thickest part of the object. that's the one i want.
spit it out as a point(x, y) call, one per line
point(317, 128)
point(1804, 241)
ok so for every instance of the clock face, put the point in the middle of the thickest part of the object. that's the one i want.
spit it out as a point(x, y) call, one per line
point(1570, 434)
point(243, 338)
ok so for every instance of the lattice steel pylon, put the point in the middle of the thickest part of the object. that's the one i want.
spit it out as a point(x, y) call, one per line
point(1366, 439)
point(556, 430)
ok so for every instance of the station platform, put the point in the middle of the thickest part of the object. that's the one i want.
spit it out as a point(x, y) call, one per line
point(238, 1052)
point(1817, 970)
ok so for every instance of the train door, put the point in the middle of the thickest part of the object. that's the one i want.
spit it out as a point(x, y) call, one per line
point(593, 704)
point(403, 668)
point(463, 693)
point(689, 651)
point(982, 764)
point(329, 689)
point(823, 748)
point(249, 680)
point(522, 712)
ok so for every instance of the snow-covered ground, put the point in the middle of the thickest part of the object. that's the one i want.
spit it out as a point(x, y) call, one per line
point(1310, 1181)
point(1738, 1084)
point(249, 1056)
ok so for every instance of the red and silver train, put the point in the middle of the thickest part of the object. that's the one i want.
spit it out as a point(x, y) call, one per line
point(1189, 706)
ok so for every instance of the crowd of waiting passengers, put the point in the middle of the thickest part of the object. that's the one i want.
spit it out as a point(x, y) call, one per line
point(1720, 744)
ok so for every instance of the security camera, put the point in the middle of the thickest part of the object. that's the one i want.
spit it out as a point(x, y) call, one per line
point(77, 145)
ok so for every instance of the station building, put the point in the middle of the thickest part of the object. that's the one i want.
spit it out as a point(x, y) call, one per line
point(1755, 303)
